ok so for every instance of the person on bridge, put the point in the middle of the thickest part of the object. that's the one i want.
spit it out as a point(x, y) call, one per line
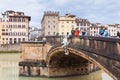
point(77, 32)
point(72, 32)
point(118, 34)
point(101, 32)
point(106, 33)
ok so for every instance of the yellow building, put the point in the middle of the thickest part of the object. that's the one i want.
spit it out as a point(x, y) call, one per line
point(14, 27)
point(66, 23)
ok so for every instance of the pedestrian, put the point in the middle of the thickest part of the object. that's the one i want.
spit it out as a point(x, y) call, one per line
point(101, 32)
point(77, 32)
point(68, 35)
point(106, 33)
point(118, 34)
point(83, 32)
point(72, 32)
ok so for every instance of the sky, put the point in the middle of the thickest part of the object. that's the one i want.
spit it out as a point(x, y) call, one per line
point(96, 11)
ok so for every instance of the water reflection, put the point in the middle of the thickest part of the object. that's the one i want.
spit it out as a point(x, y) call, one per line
point(9, 70)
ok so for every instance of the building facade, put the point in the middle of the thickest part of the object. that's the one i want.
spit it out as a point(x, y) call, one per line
point(94, 30)
point(50, 23)
point(66, 23)
point(53, 24)
point(112, 28)
point(14, 27)
point(83, 25)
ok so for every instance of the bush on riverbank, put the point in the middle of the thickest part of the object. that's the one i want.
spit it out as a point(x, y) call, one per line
point(12, 51)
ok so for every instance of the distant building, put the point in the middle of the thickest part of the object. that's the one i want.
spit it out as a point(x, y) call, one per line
point(14, 27)
point(112, 28)
point(94, 30)
point(66, 23)
point(50, 23)
point(34, 33)
point(83, 25)
point(54, 24)
point(118, 27)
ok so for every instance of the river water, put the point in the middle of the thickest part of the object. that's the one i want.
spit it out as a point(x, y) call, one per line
point(9, 70)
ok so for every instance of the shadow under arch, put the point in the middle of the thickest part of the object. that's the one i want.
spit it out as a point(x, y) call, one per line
point(82, 54)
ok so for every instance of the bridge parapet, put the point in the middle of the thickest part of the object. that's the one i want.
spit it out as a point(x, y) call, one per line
point(106, 51)
point(107, 47)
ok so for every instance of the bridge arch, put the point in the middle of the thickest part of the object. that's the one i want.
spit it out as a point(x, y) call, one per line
point(83, 54)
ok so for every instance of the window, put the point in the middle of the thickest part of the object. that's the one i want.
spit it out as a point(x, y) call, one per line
point(14, 40)
point(23, 39)
point(84, 24)
point(19, 26)
point(48, 33)
point(62, 26)
point(62, 33)
point(14, 19)
point(19, 40)
point(54, 33)
point(48, 26)
point(6, 26)
point(10, 41)
point(54, 26)
point(77, 24)
point(23, 20)
point(3, 29)
point(23, 26)
point(88, 24)
point(10, 20)
point(3, 26)
point(81, 24)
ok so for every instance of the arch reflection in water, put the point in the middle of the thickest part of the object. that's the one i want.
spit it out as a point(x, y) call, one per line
point(10, 71)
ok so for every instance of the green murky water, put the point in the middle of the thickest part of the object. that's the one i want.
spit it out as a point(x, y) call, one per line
point(9, 70)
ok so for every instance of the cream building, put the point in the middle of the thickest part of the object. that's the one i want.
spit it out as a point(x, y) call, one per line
point(94, 30)
point(112, 28)
point(83, 25)
point(118, 27)
point(66, 23)
point(50, 23)
point(14, 27)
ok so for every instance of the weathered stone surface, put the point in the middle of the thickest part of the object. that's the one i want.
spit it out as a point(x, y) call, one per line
point(103, 52)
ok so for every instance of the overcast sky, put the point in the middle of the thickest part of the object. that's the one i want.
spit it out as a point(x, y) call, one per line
point(100, 11)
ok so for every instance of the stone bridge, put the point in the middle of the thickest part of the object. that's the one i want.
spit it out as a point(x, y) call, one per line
point(84, 51)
